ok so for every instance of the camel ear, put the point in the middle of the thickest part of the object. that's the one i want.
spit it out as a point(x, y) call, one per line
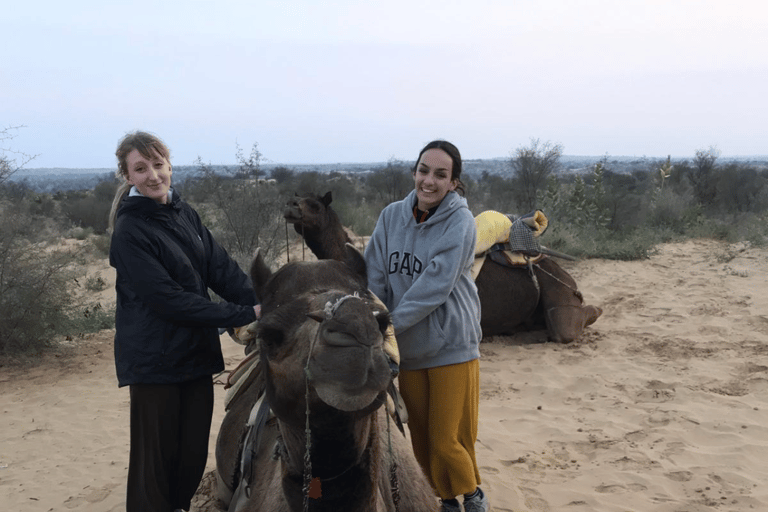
point(327, 198)
point(317, 316)
point(260, 272)
point(355, 261)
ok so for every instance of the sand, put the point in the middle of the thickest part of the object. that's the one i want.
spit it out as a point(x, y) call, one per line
point(662, 405)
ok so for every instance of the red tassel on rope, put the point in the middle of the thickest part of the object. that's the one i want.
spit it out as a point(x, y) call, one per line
point(315, 489)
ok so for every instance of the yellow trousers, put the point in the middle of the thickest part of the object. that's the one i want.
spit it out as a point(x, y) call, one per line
point(442, 405)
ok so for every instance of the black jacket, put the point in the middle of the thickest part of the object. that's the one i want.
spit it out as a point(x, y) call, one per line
point(166, 326)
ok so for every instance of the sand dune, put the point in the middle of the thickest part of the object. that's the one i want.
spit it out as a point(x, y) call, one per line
point(662, 405)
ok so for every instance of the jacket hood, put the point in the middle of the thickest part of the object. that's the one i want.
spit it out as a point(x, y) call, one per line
point(146, 205)
point(450, 203)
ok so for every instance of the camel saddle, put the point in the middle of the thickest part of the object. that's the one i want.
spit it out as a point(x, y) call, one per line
point(249, 370)
point(508, 242)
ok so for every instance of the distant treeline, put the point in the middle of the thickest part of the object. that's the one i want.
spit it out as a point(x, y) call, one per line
point(66, 179)
point(604, 207)
point(610, 195)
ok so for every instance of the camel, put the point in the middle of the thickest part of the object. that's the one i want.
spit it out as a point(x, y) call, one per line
point(314, 219)
point(323, 370)
point(511, 300)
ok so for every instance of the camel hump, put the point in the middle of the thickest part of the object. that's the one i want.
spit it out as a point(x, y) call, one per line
point(355, 261)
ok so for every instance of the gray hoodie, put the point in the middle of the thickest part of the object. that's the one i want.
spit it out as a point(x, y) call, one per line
point(422, 273)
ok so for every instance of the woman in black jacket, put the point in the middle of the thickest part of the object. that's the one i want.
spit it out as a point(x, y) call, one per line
point(166, 326)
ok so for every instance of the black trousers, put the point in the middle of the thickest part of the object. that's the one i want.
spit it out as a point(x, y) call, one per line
point(170, 427)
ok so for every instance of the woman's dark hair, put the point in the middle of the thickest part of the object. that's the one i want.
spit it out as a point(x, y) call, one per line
point(453, 152)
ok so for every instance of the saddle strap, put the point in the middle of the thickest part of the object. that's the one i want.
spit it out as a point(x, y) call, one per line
point(396, 407)
point(248, 369)
point(260, 413)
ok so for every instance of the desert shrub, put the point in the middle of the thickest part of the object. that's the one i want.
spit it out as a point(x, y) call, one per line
point(242, 213)
point(33, 295)
point(754, 229)
point(78, 233)
point(360, 218)
point(244, 216)
point(677, 212)
point(631, 244)
point(87, 318)
point(101, 244)
point(732, 228)
point(36, 282)
point(87, 210)
point(95, 283)
point(43, 205)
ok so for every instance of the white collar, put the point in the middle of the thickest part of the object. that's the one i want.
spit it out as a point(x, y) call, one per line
point(135, 192)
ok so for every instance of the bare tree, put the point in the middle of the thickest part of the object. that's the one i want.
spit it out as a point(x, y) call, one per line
point(531, 166)
point(392, 182)
point(8, 165)
point(702, 176)
point(246, 213)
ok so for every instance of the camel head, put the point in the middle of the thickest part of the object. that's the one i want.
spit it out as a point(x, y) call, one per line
point(308, 212)
point(320, 326)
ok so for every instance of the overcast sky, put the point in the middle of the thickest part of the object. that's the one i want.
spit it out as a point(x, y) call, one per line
point(328, 81)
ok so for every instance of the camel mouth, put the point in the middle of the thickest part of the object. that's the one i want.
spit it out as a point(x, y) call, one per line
point(349, 378)
point(292, 216)
point(340, 398)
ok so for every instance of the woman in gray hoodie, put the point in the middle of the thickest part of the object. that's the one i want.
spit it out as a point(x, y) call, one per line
point(419, 260)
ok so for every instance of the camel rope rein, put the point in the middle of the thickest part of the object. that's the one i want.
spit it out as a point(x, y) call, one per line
point(288, 243)
point(575, 291)
point(329, 310)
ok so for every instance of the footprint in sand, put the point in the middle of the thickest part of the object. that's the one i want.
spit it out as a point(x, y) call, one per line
point(92, 496)
point(679, 476)
point(534, 500)
point(655, 395)
point(656, 392)
point(659, 419)
point(617, 488)
point(636, 436)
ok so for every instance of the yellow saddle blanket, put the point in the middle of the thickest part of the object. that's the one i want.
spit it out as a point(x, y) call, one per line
point(493, 228)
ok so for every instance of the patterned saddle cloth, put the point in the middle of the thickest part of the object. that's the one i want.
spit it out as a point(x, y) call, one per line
point(516, 240)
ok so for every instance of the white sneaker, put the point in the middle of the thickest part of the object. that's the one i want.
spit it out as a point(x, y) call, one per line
point(477, 503)
point(448, 507)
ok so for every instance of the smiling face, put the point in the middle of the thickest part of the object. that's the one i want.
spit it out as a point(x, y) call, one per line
point(433, 178)
point(151, 176)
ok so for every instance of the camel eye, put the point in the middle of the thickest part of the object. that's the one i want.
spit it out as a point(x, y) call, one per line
point(383, 319)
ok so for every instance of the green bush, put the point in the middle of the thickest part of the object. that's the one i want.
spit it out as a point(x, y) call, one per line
point(360, 218)
point(95, 284)
point(87, 318)
point(78, 233)
point(632, 244)
point(34, 300)
point(101, 244)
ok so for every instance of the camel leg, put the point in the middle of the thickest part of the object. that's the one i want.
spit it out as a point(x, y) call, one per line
point(566, 323)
